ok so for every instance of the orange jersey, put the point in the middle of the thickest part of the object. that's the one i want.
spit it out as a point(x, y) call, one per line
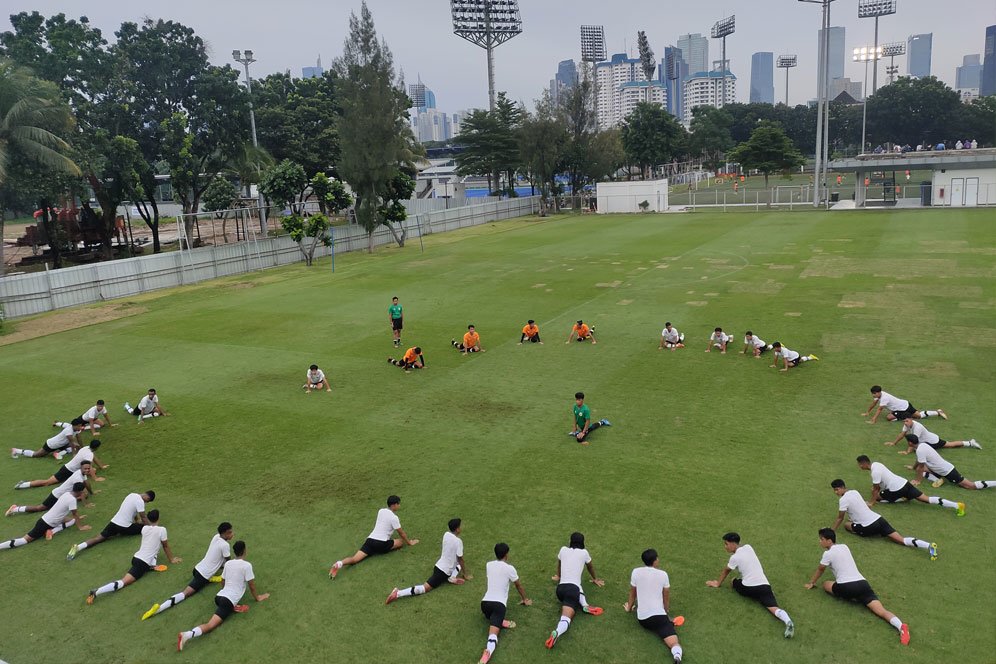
point(530, 330)
point(582, 330)
point(471, 339)
point(410, 355)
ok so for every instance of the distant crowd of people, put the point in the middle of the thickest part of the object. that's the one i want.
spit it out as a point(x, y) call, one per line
point(927, 147)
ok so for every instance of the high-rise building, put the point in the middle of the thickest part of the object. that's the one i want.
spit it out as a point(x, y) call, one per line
point(632, 93)
point(969, 75)
point(988, 83)
point(845, 84)
point(707, 89)
point(432, 125)
point(674, 79)
point(565, 79)
point(610, 76)
point(313, 72)
point(918, 49)
point(695, 51)
point(835, 68)
point(762, 78)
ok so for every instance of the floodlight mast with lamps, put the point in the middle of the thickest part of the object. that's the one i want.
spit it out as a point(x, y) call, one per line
point(593, 52)
point(245, 59)
point(891, 51)
point(488, 24)
point(822, 105)
point(786, 62)
point(866, 55)
point(875, 9)
point(721, 29)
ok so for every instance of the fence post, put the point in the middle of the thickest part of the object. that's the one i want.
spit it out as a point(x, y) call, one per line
point(48, 283)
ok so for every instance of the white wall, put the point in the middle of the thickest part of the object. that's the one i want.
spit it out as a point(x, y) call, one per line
point(614, 197)
point(952, 197)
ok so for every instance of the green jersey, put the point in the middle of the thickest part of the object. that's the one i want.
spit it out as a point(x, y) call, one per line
point(581, 414)
point(395, 311)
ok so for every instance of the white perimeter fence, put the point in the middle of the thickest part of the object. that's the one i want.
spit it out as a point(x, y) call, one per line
point(27, 294)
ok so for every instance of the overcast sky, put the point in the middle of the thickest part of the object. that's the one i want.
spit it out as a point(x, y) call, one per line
point(290, 34)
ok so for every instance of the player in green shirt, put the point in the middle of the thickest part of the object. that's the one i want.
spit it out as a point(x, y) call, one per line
point(397, 320)
point(582, 419)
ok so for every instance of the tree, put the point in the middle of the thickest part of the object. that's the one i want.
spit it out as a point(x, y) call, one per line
point(607, 155)
point(542, 137)
point(480, 135)
point(911, 110)
point(710, 137)
point(577, 112)
point(508, 117)
point(647, 62)
point(651, 136)
point(978, 121)
point(314, 227)
point(219, 197)
point(296, 120)
point(283, 184)
point(331, 194)
point(768, 150)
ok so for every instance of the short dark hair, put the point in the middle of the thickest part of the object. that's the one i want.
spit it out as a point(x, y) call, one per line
point(76, 421)
point(151, 494)
point(453, 525)
point(579, 395)
point(718, 329)
point(530, 321)
point(667, 324)
point(580, 321)
point(239, 548)
point(748, 333)
point(863, 459)
point(86, 462)
point(393, 500)
point(828, 533)
point(94, 444)
point(152, 389)
point(470, 326)
point(78, 486)
point(649, 556)
point(418, 350)
point(395, 297)
point(876, 388)
point(837, 484)
point(501, 550)
point(154, 516)
point(777, 344)
point(313, 367)
point(912, 439)
point(224, 527)
point(732, 537)
point(577, 540)
point(100, 402)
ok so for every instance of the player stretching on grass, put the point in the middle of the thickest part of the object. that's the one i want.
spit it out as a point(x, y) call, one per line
point(316, 380)
point(671, 338)
point(753, 584)
point(582, 419)
point(412, 359)
point(91, 418)
point(60, 444)
point(755, 344)
point(934, 467)
point(887, 487)
point(153, 535)
point(866, 523)
point(397, 318)
point(718, 339)
point(78, 477)
point(85, 454)
point(571, 563)
point(494, 603)
point(218, 553)
point(147, 407)
point(53, 520)
point(582, 332)
point(650, 595)
point(471, 342)
point(789, 357)
point(899, 409)
point(379, 541)
point(449, 568)
point(237, 574)
point(530, 332)
point(911, 426)
point(129, 520)
point(849, 584)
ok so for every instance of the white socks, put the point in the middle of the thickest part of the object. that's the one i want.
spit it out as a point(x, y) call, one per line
point(23, 485)
point(914, 542)
point(172, 601)
point(492, 643)
point(80, 546)
point(896, 622)
point(985, 484)
point(943, 502)
point(110, 587)
point(13, 544)
point(563, 625)
point(26, 453)
point(784, 617)
point(194, 633)
point(414, 590)
point(676, 653)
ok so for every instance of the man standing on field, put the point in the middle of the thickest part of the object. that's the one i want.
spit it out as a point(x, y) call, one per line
point(379, 541)
point(397, 318)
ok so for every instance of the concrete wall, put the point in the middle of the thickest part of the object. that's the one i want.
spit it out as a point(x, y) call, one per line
point(614, 197)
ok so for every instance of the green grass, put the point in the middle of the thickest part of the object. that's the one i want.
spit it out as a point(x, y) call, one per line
point(701, 444)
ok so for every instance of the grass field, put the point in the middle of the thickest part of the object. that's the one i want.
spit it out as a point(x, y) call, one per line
point(700, 444)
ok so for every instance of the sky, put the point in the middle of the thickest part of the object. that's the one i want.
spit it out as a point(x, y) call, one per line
point(291, 34)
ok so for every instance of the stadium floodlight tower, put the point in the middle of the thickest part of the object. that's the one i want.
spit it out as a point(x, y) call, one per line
point(721, 30)
point(875, 9)
point(866, 54)
point(822, 106)
point(593, 52)
point(891, 51)
point(786, 62)
point(487, 23)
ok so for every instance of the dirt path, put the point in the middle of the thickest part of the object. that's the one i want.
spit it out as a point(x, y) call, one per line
point(71, 319)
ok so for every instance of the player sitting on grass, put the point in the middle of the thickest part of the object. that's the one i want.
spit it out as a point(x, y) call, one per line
point(316, 380)
point(494, 603)
point(53, 520)
point(752, 584)
point(718, 339)
point(153, 535)
point(78, 477)
point(571, 563)
point(789, 357)
point(147, 407)
point(582, 420)
point(59, 445)
point(887, 487)
point(530, 332)
point(379, 540)
point(237, 574)
point(650, 595)
point(218, 553)
point(671, 338)
point(849, 584)
point(471, 342)
point(450, 568)
point(85, 454)
point(934, 467)
point(412, 359)
point(91, 418)
point(755, 345)
point(866, 523)
point(129, 520)
point(899, 409)
point(582, 332)
point(911, 426)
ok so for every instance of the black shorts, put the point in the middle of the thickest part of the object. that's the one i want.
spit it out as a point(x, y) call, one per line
point(494, 612)
point(762, 594)
point(855, 591)
point(225, 607)
point(197, 582)
point(534, 339)
point(39, 529)
point(907, 491)
point(373, 547)
point(438, 578)
point(939, 444)
point(50, 501)
point(879, 527)
point(763, 349)
point(62, 474)
point(796, 361)
point(51, 449)
point(139, 568)
point(397, 324)
point(569, 595)
point(112, 529)
point(955, 477)
point(903, 414)
point(660, 625)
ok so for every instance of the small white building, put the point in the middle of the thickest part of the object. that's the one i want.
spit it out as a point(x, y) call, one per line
point(615, 197)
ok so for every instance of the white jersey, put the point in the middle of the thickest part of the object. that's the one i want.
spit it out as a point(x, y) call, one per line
point(671, 336)
point(856, 508)
point(148, 404)
point(131, 506)
point(500, 575)
point(751, 572)
point(720, 338)
point(935, 462)
point(451, 550)
point(63, 506)
point(650, 583)
point(152, 537)
point(789, 354)
point(885, 478)
point(316, 377)
point(891, 403)
point(67, 486)
point(387, 523)
point(840, 561)
point(212, 561)
point(63, 438)
point(922, 434)
point(84, 454)
point(94, 413)
point(754, 341)
point(572, 562)
point(237, 574)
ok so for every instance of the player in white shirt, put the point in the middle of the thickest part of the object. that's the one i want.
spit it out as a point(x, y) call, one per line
point(571, 563)
point(53, 520)
point(66, 470)
point(849, 584)
point(650, 595)
point(237, 574)
point(129, 520)
point(752, 584)
point(494, 603)
point(789, 357)
point(934, 467)
point(315, 380)
point(923, 435)
point(887, 487)
point(153, 536)
point(671, 338)
point(898, 409)
point(78, 477)
point(91, 418)
point(755, 345)
point(718, 339)
point(380, 539)
point(449, 568)
point(147, 407)
point(866, 523)
point(61, 443)
point(218, 553)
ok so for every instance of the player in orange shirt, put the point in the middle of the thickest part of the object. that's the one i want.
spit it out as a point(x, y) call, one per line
point(412, 359)
point(471, 342)
point(530, 332)
point(583, 332)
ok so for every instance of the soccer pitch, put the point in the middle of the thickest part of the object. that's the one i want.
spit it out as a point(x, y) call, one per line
point(700, 444)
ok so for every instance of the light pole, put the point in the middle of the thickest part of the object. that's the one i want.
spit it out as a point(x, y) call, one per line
point(875, 9)
point(891, 51)
point(786, 62)
point(246, 59)
point(721, 30)
point(488, 24)
point(866, 55)
point(823, 106)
